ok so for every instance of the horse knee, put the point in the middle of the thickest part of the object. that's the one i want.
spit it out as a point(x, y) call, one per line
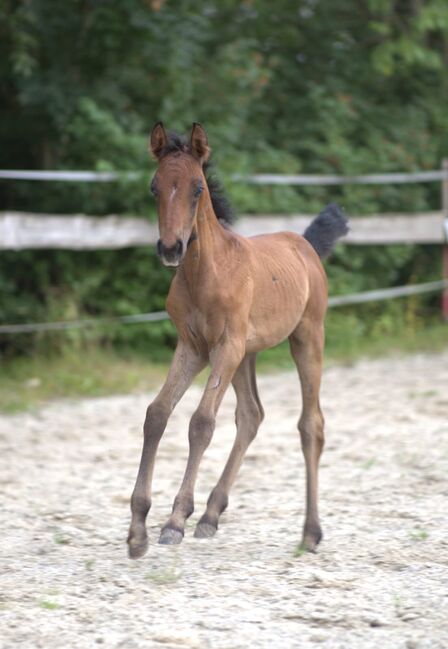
point(201, 429)
point(311, 430)
point(155, 420)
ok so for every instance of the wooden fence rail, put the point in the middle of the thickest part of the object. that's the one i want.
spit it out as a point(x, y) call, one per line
point(79, 232)
point(21, 230)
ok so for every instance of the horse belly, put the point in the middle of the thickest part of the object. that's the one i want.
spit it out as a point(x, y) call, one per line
point(276, 311)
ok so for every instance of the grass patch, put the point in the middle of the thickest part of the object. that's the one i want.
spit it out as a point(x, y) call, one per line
point(48, 605)
point(60, 539)
point(299, 551)
point(163, 577)
point(28, 382)
point(423, 395)
point(419, 535)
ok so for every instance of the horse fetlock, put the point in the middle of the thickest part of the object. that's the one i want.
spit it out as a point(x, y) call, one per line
point(140, 505)
point(137, 542)
point(312, 536)
point(183, 505)
point(218, 501)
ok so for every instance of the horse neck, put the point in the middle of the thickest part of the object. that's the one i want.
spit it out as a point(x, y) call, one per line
point(204, 252)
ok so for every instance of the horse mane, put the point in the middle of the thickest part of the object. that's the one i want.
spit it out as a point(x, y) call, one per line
point(221, 204)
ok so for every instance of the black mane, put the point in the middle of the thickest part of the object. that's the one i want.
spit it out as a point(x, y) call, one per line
point(221, 205)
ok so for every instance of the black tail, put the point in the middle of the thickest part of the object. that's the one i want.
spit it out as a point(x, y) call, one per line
point(326, 229)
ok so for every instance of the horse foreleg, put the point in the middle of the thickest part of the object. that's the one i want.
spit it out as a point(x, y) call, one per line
point(224, 360)
point(249, 415)
point(307, 344)
point(185, 366)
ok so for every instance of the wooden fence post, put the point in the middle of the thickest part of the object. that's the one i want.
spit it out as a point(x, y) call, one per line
point(445, 244)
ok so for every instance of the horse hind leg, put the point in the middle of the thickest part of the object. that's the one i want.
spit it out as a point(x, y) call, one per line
point(306, 345)
point(249, 415)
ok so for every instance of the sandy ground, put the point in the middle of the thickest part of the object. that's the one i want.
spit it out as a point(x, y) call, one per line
point(380, 578)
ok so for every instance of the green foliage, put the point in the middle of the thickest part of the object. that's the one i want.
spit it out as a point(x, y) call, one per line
point(61, 285)
point(78, 371)
point(312, 87)
point(408, 35)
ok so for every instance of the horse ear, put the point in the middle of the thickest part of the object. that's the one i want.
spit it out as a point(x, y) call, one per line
point(199, 143)
point(157, 140)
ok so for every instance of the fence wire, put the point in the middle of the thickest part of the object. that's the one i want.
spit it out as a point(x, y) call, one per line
point(157, 316)
point(254, 179)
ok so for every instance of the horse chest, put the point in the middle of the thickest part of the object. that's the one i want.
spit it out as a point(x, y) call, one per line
point(206, 325)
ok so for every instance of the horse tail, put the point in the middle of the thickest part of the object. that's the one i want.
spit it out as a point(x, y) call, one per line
point(326, 229)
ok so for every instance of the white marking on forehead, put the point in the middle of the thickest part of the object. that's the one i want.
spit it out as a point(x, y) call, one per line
point(173, 192)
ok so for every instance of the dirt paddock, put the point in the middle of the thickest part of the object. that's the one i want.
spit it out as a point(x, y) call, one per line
point(380, 578)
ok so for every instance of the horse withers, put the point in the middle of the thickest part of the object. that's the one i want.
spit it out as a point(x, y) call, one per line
point(231, 297)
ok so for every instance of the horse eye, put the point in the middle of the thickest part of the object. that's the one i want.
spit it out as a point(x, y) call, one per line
point(198, 191)
point(153, 189)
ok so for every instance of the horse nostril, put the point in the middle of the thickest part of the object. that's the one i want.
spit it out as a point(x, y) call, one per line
point(170, 253)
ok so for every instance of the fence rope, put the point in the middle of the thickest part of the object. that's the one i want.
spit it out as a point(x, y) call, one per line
point(157, 316)
point(370, 179)
point(387, 293)
point(254, 179)
point(69, 176)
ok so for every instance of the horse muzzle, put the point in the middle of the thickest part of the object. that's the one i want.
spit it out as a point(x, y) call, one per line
point(170, 255)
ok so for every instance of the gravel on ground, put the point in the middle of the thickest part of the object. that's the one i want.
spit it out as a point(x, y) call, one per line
point(379, 579)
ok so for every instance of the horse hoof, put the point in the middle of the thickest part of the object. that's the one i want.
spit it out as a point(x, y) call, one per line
point(137, 548)
point(169, 536)
point(204, 531)
point(310, 542)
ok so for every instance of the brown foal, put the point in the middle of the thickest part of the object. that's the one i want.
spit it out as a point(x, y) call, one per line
point(231, 297)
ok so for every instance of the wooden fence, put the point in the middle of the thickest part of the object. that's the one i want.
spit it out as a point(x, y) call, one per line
point(19, 230)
